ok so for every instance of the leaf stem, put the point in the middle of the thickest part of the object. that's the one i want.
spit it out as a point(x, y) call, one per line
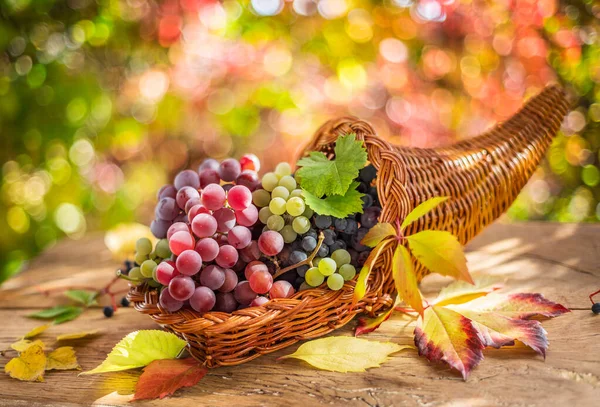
point(307, 261)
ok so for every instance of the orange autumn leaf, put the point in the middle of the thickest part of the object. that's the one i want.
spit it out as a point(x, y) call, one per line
point(163, 377)
point(445, 335)
point(366, 325)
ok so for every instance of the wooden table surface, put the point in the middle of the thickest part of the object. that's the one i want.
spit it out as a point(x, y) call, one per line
point(560, 261)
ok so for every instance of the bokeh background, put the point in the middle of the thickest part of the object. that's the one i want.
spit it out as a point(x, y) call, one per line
point(101, 101)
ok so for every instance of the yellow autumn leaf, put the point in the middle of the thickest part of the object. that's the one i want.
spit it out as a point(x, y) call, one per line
point(360, 289)
point(441, 253)
point(138, 349)
point(422, 210)
point(78, 335)
point(377, 233)
point(23, 344)
point(345, 353)
point(121, 239)
point(405, 279)
point(62, 358)
point(460, 292)
point(36, 331)
point(29, 365)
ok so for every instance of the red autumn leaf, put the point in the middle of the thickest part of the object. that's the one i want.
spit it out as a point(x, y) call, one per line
point(366, 325)
point(163, 377)
point(520, 306)
point(496, 330)
point(445, 335)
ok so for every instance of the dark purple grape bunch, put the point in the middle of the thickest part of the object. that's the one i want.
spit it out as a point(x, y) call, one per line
point(339, 234)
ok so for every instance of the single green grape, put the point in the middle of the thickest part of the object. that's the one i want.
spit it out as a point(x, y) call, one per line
point(288, 234)
point(162, 249)
point(341, 257)
point(264, 214)
point(301, 225)
point(288, 182)
point(308, 213)
point(270, 181)
point(335, 282)
point(313, 277)
point(347, 271)
point(140, 258)
point(261, 198)
point(280, 192)
point(277, 206)
point(143, 246)
point(282, 169)
point(136, 273)
point(296, 192)
point(295, 206)
point(275, 222)
point(147, 268)
point(327, 266)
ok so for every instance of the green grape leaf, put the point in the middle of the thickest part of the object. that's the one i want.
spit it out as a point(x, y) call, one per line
point(338, 206)
point(138, 349)
point(423, 209)
point(320, 176)
point(69, 316)
point(441, 253)
point(85, 297)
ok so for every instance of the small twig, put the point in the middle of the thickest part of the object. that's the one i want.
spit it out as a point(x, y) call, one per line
point(592, 295)
point(307, 261)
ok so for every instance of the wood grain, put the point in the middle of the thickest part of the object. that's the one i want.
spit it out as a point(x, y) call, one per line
point(560, 261)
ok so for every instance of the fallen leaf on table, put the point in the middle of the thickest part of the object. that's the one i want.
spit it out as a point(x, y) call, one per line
point(36, 331)
point(456, 333)
point(23, 344)
point(29, 365)
point(69, 315)
point(162, 378)
point(345, 353)
point(445, 335)
point(85, 297)
point(62, 358)
point(460, 291)
point(78, 335)
point(138, 349)
point(521, 306)
point(59, 314)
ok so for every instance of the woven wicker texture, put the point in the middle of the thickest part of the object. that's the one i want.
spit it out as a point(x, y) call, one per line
point(482, 176)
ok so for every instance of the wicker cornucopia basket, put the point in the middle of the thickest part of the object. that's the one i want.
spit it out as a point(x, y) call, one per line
point(482, 175)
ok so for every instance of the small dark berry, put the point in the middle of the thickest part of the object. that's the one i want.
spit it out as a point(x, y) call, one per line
point(596, 308)
point(124, 302)
point(108, 311)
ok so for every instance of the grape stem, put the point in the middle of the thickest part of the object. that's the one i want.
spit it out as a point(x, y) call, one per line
point(307, 261)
